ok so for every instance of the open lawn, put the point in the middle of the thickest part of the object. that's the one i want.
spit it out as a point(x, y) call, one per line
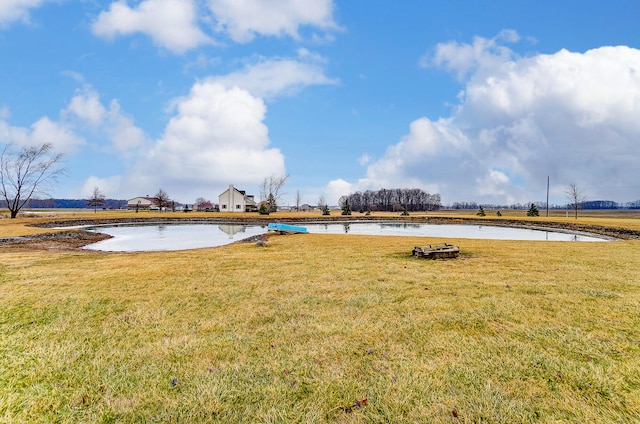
point(323, 328)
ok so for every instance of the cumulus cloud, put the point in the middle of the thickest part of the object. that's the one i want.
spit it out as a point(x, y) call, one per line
point(109, 186)
point(569, 115)
point(16, 10)
point(44, 130)
point(84, 118)
point(177, 25)
point(171, 24)
point(336, 189)
point(217, 137)
point(461, 58)
point(86, 110)
point(243, 20)
point(270, 78)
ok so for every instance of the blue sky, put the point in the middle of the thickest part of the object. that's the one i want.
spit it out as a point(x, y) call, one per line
point(474, 100)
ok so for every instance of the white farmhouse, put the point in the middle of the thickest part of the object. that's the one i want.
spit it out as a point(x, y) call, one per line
point(234, 200)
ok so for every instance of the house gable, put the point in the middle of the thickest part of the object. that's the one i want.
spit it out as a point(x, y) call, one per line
point(234, 200)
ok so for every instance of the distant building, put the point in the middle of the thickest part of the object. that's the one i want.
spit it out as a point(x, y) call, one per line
point(234, 200)
point(205, 207)
point(144, 203)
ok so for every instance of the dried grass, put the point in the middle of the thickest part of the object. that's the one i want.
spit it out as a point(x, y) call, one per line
point(307, 327)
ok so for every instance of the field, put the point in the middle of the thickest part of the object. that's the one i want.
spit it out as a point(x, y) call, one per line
point(322, 328)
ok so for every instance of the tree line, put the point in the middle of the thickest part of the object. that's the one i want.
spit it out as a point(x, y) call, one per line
point(586, 204)
point(51, 203)
point(392, 200)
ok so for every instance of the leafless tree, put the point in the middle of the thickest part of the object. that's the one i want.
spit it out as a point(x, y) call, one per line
point(96, 199)
point(394, 200)
point(270, 190)
point(321, 202)
point(27, 172)
point(575, 196)
point(162, 199)
point(298, 200)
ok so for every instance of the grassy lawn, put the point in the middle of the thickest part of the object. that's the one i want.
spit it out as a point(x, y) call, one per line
point(323, 328)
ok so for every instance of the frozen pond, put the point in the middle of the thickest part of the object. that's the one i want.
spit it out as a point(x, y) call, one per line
point(132, 238)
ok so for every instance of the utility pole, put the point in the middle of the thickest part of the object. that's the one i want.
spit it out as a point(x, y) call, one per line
point(547, 196)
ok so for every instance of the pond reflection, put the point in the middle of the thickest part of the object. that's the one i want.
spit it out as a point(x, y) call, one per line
point(448, 231)
point(139, 238)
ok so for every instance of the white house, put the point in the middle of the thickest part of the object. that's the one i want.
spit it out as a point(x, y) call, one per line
point(234, 200)
point(144, 203)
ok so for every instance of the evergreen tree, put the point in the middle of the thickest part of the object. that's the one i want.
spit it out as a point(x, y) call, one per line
point(481, 211)
point(263, 209)
point(346, 209)
point(533, 211)
point(271, 200)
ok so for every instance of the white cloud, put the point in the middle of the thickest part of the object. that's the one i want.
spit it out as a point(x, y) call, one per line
point(276, 77)
point(16, 10)
point(86, 106)
point(171, 24)
point(216, 138)
point(244, 19)
point(177, 25)
point(336, 189)
point(110, 187)
point(86, 109)
point(364, 159)
point(84, 118)
point(44, 130)
point(571, 116)
point(461, 58)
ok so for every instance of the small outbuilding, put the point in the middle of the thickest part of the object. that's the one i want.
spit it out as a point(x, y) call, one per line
point(205, 207)
point(142, 203)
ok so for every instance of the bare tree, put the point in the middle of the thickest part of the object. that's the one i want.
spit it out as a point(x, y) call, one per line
point(575, 196)
point(162, 199)
point(26, 172)
point(270, 190)
point(394, 200)
point(298, 200)
point(321, 202)
point(96, 199)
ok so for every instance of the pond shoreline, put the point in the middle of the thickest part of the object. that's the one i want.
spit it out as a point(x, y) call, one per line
point(70, 238)
point(612, 232)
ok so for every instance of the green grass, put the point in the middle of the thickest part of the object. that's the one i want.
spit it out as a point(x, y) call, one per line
point(303, 329)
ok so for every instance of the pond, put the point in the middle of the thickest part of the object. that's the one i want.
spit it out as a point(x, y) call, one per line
point(161, 237)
